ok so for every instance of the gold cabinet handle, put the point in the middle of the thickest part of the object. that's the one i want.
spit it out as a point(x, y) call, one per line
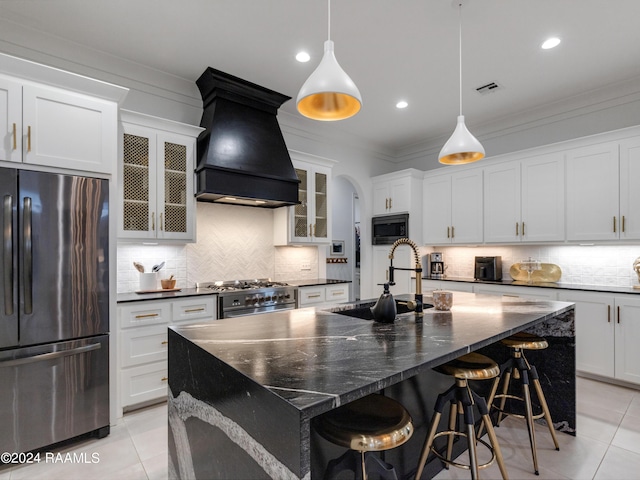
point(453, 232)
point(15, 139)
point(523, 229)
point(164, 379)
point(161, 226)
point(147, 315)
point(313, 296)
point(153, 221)
point(311, 229)
point(164, 343)
point(341, 292)
point(390, 203)
point(190, 310)
point(622, 223)
point(614, 224)
point(448, 232)
point(618, 313)
point(314, 229)
point(386, 204)
point(517, 229)
point(29, 138)
point(608, 313)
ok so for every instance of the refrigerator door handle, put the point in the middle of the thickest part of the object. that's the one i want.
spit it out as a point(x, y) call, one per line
point(28, 257)
point(7, 254)
point(49, 356)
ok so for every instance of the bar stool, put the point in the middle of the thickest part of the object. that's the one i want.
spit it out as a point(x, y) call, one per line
point(472, 366)
point(518, 367)
point(370, 424)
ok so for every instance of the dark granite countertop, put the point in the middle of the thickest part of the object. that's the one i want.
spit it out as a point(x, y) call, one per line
point(315, 282)
point(183, 292)
point(559, 285)
point(317, 359)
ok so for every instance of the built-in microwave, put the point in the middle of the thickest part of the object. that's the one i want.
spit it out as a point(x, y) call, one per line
point(386, 229)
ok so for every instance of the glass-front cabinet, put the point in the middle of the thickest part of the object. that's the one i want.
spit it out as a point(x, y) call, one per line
point(156, 179)
point(309, 221)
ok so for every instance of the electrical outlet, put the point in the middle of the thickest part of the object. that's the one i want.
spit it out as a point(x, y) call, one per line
point(305, 266)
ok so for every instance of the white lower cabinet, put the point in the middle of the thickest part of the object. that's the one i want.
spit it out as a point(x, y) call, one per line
point(143, 345)
point(607, 334)
point(430, 285)
point(323, 294)
point(532, 293)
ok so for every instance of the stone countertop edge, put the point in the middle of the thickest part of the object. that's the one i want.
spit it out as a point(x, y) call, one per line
point(225, 343)
point(558, 285)
point(192, 292)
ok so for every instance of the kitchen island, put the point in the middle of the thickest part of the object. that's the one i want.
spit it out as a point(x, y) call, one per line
point(244, 391)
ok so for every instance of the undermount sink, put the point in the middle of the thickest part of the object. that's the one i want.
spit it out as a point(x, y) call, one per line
point(363, 310)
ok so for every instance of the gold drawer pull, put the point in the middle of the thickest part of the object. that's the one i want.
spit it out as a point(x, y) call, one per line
point(29, 138)
point(339, 293)
point(147, 315)
point(191, 310)
point(313, 296)
point(614, 224)
point(164, 379)
point(164, 343)
point(608, 313)
point(15, 140)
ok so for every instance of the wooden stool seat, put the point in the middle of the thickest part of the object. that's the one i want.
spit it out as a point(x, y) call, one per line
point(472, 366)
point(370, 424)
point(525, 341)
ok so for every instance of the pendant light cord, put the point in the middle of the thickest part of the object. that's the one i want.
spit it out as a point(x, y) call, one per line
point(329, 20)
point(460, 50)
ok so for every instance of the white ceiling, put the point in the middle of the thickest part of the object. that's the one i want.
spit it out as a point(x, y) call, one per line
point(392, 49)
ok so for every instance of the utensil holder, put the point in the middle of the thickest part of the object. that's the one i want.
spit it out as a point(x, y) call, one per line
point(148, 281)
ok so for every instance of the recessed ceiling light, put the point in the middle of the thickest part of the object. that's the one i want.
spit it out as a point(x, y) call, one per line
point(303, 57)
point(402, 104)
point(551, 43)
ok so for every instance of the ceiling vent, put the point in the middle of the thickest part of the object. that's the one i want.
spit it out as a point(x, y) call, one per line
point(489, 88)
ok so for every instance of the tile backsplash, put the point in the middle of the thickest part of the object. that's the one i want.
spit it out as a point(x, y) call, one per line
point(233, 243)
point(610, 265)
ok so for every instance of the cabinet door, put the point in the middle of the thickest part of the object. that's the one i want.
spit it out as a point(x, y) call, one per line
point(311, 295)
point(321, 224)
point(301, 225)
point(627, 357)
point(337, 293)
point(437, 210)
point(175, 200)
point(502, 203)
point(68, 130)
point(629, 191)
point(399, 195)
point(138, 194)
point(595, 331)
point(592, 192)
point(542, 197)
point(380, 198)
point(466, 207)
point(11, 120)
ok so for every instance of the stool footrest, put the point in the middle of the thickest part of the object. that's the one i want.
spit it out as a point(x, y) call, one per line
point(465, 466)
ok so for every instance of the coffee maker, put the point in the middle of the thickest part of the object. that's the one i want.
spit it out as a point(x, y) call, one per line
point(435, 265)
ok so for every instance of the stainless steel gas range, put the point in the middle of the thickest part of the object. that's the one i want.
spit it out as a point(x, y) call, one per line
point(249, 297)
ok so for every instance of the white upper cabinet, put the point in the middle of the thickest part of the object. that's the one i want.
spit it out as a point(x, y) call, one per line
point(524, 200)
point(592, 192)
point(629, 189)
point(156, 187)
point(309, 222)
point(452, 212)
point(52, 127)
point(393, 194)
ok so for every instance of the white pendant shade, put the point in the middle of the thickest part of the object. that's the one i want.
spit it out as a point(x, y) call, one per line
point(329, 93)
point(462, 147)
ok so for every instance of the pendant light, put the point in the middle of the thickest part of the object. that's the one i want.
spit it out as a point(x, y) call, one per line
point(462, 147)
point(329, 94)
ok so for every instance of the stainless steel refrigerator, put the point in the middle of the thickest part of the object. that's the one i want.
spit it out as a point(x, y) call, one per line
point(54, 309)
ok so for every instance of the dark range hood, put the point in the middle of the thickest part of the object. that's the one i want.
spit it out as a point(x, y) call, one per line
point(242, 157)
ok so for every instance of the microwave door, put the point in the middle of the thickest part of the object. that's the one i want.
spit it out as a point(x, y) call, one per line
point(9, 277)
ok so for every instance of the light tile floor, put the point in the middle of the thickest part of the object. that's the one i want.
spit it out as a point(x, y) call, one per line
point(607, 445)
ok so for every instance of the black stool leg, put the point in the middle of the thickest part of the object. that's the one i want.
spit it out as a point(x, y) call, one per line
point(505, 389)
point(454, 409)
point(381, 468)
point(529, 415)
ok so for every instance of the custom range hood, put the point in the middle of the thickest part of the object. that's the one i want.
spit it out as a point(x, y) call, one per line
point(242, 157)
